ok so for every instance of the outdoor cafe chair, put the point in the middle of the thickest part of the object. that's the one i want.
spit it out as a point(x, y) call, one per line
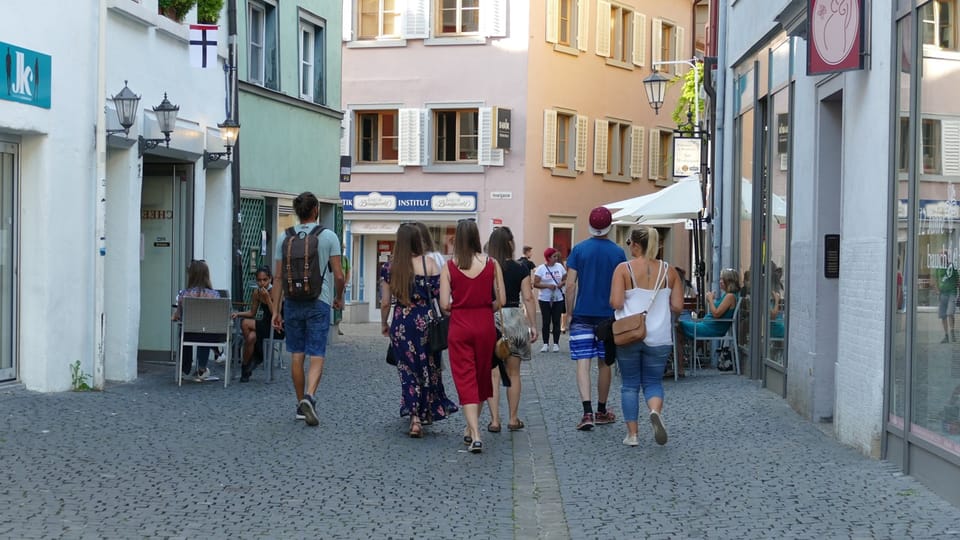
point(204, 322)
point(729, 337)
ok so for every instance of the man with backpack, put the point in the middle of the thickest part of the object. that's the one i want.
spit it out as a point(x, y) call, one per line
point(305, 257)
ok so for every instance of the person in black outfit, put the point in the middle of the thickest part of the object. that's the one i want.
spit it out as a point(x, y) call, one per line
point(526, 261)
point(255, 329)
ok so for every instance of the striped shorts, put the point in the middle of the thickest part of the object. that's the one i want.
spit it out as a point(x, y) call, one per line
point(584, 344)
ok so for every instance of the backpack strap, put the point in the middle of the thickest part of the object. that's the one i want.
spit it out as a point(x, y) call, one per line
point(291, 234)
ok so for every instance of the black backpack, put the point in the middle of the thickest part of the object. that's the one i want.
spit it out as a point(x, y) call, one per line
point(302, 273)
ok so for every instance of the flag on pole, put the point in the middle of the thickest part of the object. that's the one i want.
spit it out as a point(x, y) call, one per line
point(203, 45)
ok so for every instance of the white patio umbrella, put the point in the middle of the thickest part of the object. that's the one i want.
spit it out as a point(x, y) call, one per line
point(677, 202)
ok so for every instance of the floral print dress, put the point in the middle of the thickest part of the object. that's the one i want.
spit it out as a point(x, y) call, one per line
point(420, 379)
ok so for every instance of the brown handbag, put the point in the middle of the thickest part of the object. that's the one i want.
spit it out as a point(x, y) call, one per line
point(633, 328)
point(502, 347)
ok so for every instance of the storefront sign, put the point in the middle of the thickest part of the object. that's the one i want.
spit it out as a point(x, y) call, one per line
point(27, 76)
point(345, 169)
point(502, 137)
point(686, 156)
point(835, 36)
point(408, 201)
point(501, 195)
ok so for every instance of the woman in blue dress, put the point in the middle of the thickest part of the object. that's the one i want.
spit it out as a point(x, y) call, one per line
point(412, 280)
point(721, 307)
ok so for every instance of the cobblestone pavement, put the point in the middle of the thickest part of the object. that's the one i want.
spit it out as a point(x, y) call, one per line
point(150, 460)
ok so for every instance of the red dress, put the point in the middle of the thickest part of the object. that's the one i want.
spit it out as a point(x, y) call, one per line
point(472, 333)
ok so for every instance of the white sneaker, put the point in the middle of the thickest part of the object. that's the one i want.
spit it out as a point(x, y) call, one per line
point(659, 430)
point(556, 348)
point(630, 440)
point(545, 348)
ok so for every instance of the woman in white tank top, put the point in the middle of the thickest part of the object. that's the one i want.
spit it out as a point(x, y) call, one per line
point(645, 284)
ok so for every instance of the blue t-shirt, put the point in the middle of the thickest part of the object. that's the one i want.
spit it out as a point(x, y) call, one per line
point(594, 259)
point(328, 245)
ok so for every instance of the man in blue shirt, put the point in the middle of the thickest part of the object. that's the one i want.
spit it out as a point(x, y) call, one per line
point(307, 321)
point(589, 274)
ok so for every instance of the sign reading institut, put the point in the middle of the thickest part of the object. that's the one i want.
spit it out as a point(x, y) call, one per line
point(27, 78)
point(408, 201)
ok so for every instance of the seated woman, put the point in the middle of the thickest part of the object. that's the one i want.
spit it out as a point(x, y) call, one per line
point(717, 308)
point(198, 285)
point(256, 329)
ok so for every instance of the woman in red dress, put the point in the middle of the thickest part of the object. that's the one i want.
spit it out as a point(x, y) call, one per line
point(467, 292)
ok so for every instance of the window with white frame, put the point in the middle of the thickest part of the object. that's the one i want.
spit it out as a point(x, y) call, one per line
point(262, 63)
point(378, 137)
point(938, 24)
point(312, 65)
point(661, 141)
point(564, 141)
point(567, 24)
point(613, 149)
point(455, 135)
point(379, 19)
point(668, 44)
point(458, 17)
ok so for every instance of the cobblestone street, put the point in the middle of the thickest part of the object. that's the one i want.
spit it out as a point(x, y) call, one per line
point(151, 460)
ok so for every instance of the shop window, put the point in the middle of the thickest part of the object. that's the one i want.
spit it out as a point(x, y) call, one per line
point(938, 26)
point(262, 68)
point(312, 62)
point(458, 17)
point(455, 135)
point(377, 137)
point(379, 19)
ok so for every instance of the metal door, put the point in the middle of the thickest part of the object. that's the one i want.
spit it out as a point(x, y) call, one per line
point(9, 169)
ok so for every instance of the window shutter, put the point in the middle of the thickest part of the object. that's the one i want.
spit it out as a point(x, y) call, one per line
point(426, 144)
point(656, 44)
point(639, 39)
point(484, 130)
point(654, 155)
point(549, 138)
point(493, 14)
point(600, 146)
point(553, 21)
point(496, 157)
point(345, 133)
point(603, 28)
point(581, 155)
point(416, 24)
point(583, 22)
point(410, 137)
point(636, 152)
point(347, 20)
point(950, 143)
point(678, 32)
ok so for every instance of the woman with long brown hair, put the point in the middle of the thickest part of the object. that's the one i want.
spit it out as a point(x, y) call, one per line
point(467, 284)
point(412, 279)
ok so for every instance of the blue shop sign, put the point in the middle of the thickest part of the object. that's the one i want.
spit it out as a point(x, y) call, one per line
point(409, 201)
point(28, 76)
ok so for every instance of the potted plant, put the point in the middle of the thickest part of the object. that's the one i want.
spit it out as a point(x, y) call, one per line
point(175, 9)
point(208, 11)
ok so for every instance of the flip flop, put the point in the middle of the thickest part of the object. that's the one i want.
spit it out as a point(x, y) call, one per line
point(515, 427)
point(492, 428)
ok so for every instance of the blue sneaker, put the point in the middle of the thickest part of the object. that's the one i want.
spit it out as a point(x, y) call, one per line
point(308, 408)
point(300, 415)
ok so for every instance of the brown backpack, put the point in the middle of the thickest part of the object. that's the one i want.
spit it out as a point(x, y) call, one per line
point(302, 274)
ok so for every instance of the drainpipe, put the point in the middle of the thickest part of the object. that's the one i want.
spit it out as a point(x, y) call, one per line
point(719, 146)
point(233, 112)
point(99, 264)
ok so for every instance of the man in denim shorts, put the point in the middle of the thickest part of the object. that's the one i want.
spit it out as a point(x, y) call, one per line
point(589, 274)
point(307, 322)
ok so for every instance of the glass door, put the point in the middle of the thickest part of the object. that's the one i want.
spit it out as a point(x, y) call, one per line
point(9, 155)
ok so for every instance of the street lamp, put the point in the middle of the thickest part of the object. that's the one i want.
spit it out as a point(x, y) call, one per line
point(167, 118)
point(126, 103)
point(656, 87)
point(230, 129)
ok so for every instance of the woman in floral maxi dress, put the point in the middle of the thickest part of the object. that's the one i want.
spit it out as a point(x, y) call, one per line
point(413, 281)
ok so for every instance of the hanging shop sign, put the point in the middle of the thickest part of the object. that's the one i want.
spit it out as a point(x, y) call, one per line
point(686, 156)
point(408, 201)
point(502, 133)
point(834, 36)
point(27, 76)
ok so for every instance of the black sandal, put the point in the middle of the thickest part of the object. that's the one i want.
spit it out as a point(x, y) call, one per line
point(476, 447)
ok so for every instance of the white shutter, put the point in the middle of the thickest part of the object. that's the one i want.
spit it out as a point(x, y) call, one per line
point(639, 39)
point(409, 135)
point(426, 139)
point(583, 22)
point(603, 28)
point(345, 133)
point(654, 155)
point(581, 154)
point(416, 23)
point(636, 151)
point(553, 21)
point(347, 20)
point(496, 157)
point(656, 36)
point(600, 146)
point(950, 143)
point(549, 138)
point(484, 131)
point(680, 46)
point(493, 17)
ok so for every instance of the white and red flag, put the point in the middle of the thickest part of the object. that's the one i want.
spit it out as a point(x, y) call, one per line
point(203, 45)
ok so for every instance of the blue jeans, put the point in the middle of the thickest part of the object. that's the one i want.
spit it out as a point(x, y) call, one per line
point(306, 324)
point(641, 366)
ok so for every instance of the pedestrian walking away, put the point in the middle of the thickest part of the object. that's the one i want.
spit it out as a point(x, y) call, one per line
point(413, 280)
point(518, 325)
point(466, 287)
point(589, 274)
point(645, 285)
point(549, 278)
point(306, 258)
